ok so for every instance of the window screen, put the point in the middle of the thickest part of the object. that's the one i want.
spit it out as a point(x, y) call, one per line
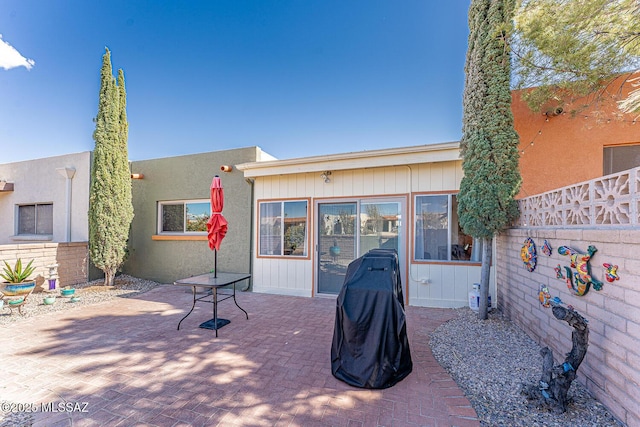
point(620, 158)
point(35, 219)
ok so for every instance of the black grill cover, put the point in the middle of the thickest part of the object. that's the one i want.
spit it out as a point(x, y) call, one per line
point(370, 348)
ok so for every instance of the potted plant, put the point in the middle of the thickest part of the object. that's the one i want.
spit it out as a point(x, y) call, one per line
point(16, 278)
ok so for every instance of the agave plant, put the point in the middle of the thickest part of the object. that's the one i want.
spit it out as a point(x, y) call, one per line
point(17, 274)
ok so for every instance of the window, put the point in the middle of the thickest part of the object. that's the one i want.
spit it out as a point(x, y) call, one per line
point(438, 235)
point(186, 216)
point(35, 219)
point(283, 228)
point(620, 158)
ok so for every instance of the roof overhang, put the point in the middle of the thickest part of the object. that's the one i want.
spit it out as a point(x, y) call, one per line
point(430, 153)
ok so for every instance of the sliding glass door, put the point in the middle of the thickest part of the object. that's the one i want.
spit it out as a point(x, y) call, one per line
point(336, 244)
point(348, 230)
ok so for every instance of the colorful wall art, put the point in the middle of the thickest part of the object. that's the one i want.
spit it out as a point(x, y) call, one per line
point(611, 272)
point(580, 261)
point(528, 254)
point(544, 296)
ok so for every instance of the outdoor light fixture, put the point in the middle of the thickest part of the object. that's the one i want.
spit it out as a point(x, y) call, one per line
point(325, 176)
point(137, 176)
point(553, 112)
point(226, 168)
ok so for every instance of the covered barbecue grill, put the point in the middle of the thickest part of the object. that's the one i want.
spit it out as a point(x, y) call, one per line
point(370, 348)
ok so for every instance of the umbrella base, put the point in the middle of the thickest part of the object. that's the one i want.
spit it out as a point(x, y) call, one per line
point(214, 325)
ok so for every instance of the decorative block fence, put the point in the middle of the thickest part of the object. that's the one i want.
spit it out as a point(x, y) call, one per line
point(604, 213)
point(72, 259)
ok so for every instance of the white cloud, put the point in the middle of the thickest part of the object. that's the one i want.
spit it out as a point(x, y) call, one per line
point(11, 58)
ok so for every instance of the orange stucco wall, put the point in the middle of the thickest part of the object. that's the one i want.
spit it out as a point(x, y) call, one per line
point(568, 148)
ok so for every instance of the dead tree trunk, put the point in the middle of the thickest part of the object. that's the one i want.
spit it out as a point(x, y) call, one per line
point(556, 381)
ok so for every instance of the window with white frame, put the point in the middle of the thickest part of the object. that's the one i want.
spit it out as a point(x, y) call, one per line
point(283, 228)
point(438, 235)
point(183, 216)
point(35, 219)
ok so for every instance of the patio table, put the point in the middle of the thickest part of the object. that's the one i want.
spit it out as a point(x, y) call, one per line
point(212, 283)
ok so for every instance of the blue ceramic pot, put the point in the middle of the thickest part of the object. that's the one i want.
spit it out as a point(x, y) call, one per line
point(12, 289)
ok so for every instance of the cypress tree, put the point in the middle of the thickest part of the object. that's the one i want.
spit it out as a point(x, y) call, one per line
point(489, 144)
point(110, 204)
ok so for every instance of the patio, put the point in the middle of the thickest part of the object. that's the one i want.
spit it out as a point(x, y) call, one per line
point(131, 366)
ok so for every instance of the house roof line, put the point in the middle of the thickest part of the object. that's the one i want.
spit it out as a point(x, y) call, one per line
point(428, 153)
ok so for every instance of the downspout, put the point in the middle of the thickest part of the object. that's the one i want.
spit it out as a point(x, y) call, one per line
point(251, 182)
point(68, 173)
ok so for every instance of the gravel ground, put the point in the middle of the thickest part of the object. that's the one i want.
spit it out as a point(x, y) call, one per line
point(89, 293)
point(493, 361)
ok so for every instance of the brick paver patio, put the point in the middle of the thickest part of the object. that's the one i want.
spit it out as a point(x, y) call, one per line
point(128, 363)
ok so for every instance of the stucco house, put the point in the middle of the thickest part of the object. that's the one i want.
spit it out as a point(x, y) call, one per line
point(579, 141)
point(43, 206)
point(47, 200)
point(171, 203)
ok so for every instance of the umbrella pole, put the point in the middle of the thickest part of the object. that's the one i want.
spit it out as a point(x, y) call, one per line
point(215, 263)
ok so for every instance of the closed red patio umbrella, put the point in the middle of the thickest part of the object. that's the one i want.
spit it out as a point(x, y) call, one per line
point(217, 224)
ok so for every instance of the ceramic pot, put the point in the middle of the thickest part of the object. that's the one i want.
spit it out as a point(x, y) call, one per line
point(12, 289)
point(67, 292)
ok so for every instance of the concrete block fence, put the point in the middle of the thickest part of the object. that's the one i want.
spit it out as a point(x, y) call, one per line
point(611, 368)
point(72, 260)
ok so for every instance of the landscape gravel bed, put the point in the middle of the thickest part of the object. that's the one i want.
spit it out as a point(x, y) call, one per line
point(493, 361)
point(88, 293)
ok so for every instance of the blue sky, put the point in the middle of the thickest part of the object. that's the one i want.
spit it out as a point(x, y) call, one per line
point(296, 78)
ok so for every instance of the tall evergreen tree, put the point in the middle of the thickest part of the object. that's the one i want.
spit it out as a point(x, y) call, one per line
point(567, 49)
point(110, 204)
point(489, 145)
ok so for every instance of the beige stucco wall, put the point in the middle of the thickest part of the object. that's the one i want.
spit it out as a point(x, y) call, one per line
point(38, 181)
point(183, 178)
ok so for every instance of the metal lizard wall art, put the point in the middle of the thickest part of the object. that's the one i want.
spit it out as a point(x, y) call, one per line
point(580, 280)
